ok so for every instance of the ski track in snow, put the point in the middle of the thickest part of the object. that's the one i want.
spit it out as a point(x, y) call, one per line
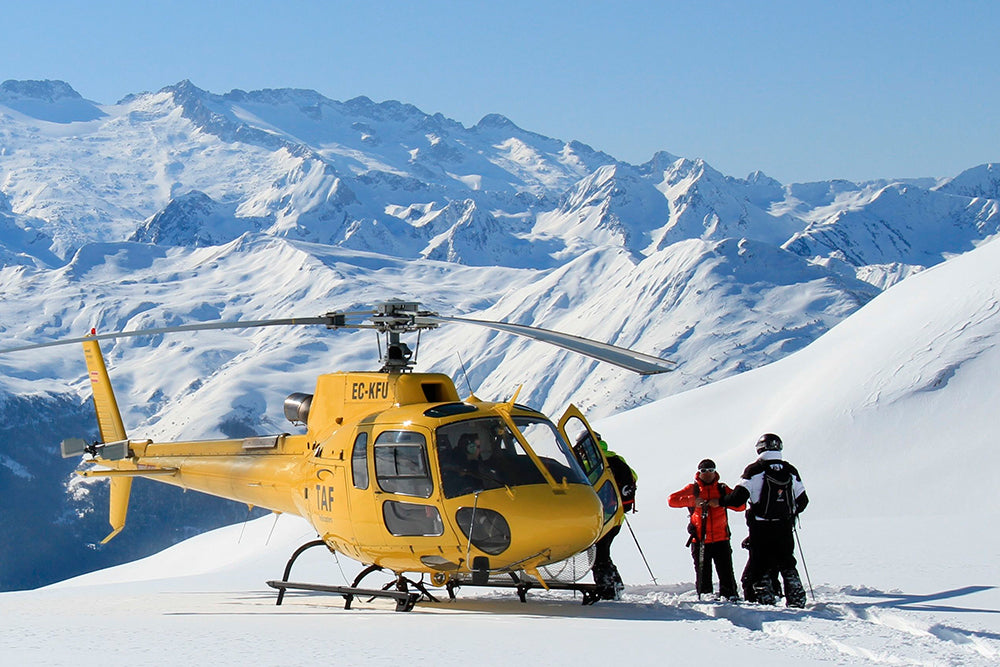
point(892, 630)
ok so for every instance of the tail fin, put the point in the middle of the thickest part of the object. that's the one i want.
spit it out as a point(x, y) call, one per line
point(121, 487)
point(109, 421)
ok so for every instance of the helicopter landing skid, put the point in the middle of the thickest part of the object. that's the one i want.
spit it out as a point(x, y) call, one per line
point(589, 591)
point(404, 597)
point(405, 600)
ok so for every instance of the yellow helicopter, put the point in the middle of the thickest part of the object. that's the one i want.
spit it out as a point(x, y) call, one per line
point(395, 470)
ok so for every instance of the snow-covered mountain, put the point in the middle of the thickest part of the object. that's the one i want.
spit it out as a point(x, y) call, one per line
point(183, 205)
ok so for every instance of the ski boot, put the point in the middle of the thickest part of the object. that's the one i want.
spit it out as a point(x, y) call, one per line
point(763, 591)
point(795, 594)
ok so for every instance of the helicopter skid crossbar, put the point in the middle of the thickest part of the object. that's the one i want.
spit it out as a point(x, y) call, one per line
point(589, 591)
point(405, 600)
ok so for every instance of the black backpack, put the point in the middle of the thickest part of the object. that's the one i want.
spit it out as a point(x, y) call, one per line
point(777, 496)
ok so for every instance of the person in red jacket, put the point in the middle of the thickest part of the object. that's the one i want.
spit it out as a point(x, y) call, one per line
point(709, 529)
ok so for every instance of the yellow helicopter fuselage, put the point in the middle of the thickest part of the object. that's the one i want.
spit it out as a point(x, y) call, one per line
point(393, 470)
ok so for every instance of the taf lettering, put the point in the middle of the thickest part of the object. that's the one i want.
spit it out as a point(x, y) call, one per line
point(324, 498)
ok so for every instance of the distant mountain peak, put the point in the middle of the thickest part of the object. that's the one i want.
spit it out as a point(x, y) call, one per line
point(980, 181)
point(195, 219)
point(297, 96)
point(185, 87)
point(760, 178)
point(46, 91)
point(50, 101)
point(660, 162)
point(380, 111)
point(495, 121)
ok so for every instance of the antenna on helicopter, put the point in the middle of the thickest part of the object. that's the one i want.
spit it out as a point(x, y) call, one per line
point(465, 372)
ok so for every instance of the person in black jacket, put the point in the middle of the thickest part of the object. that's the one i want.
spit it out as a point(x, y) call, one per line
point(775, 493)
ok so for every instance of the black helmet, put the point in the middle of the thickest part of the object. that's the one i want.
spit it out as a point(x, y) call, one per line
point(769, 442)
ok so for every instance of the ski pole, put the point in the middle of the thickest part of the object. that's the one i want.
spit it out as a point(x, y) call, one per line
point(805, 568)
point(701, 551)
point(625, 516)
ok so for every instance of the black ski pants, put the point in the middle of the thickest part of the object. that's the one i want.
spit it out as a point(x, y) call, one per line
point(772, 551)
point(605, 573)
point(772, 546)
point(720, 553)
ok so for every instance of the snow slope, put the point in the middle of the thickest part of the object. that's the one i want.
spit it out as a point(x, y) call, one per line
point(888, 416)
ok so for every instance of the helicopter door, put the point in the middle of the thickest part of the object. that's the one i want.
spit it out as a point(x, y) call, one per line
point(367, 526)
point(404, 486)
point(574, 428)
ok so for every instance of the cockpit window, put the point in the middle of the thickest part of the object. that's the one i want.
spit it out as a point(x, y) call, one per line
point(550, 447)
point(482, 454)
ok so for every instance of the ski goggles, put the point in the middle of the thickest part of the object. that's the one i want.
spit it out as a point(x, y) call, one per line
point(706, 469)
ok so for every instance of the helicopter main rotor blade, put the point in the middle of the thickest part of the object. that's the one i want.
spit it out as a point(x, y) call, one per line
point(202, 326)
point(398, 317)
point(643, 364)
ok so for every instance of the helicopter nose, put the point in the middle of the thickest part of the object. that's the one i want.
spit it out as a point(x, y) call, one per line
point(539, 519)
point(569, 524)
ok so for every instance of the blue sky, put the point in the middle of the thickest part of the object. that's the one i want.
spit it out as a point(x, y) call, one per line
point(800, 90)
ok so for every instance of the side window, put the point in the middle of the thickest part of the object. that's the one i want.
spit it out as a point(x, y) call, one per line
point(359, 461)
point(401, 463)
point(408, 519)
point(586, 450)
point(609, 500)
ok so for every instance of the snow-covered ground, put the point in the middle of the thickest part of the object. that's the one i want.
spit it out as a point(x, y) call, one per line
point(204, 602)
point(889, 416)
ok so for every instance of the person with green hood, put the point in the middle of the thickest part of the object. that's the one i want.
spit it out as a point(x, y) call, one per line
point(606, 576)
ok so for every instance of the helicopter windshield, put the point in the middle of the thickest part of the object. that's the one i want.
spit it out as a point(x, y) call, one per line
point(482, 454)
point(550, 447)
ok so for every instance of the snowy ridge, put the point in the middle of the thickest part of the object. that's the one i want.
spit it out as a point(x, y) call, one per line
point(982, 181)
point(194, 219)
point(51, 101)
point(22, 240)
point(322, 169)
point(901, 223)
point(706, 204)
